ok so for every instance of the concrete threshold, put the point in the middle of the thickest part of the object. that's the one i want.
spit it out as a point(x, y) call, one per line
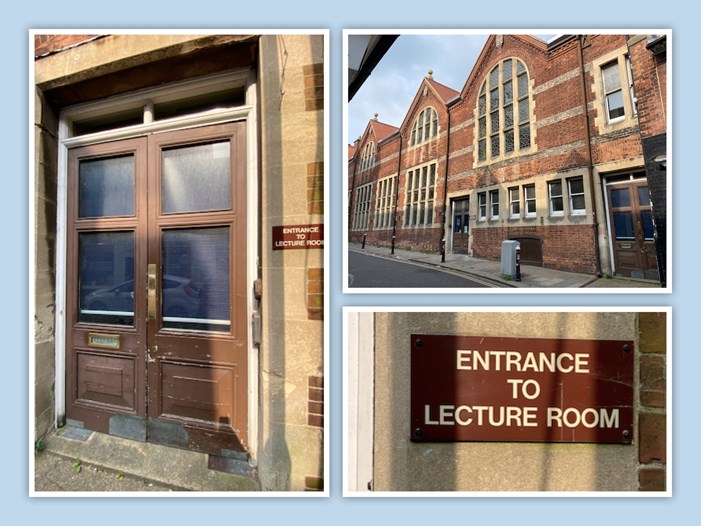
point(179, 469)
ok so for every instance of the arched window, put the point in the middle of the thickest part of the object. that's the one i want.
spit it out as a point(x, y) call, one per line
point(367, 159)
point(425, 126)
point(503, 111)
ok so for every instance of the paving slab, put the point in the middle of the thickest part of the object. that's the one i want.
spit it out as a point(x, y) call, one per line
point(108, 463)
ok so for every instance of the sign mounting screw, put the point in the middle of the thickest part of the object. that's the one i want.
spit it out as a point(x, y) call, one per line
point(419, 343)
point(418, 431)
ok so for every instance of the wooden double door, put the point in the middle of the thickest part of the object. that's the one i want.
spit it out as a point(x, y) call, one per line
point(632, 227)
point(156, 333)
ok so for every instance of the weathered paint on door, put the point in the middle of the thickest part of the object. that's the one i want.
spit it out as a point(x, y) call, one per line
point(156, 340)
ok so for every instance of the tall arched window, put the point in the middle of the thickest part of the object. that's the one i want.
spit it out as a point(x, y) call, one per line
point(503, 111)
point(367, 159)
point(425, 126)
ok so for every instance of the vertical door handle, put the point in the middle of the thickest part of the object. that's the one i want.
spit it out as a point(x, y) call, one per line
point(152, 283)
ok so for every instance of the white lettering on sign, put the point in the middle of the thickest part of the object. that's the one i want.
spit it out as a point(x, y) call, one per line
point(512, 361)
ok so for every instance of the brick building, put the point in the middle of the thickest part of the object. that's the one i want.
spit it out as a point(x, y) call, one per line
point(163, 312)
point(559, 145)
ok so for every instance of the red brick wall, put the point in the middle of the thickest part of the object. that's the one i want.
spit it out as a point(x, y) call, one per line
point(44, 44)
point(564, 247)
point(650, 80)
point(652, 416)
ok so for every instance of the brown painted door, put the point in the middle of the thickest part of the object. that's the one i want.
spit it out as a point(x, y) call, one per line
point(630, 213)
point(156, 344)
point(461, 226)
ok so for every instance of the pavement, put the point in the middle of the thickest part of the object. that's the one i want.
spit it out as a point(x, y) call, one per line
point(531, 276)
point(96, 462)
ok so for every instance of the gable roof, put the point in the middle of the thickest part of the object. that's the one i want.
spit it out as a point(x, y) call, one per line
point(443, 91)
point(382, 130)
point(351, 151)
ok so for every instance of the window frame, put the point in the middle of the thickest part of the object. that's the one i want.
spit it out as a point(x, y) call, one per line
point(425, 127)
point(385, 197)
point(517, 202)
point(420, 196)
point(492, 203)
point(361, 212)
point(606, 94)
point(576, 211)
point(495, 138)
point(552, 197)
point(527, 200)
point(481, 206)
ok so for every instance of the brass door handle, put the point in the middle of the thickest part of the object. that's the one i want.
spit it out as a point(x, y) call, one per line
point(152, 283)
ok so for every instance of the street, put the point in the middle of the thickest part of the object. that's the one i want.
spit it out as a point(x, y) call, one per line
point(371, 271)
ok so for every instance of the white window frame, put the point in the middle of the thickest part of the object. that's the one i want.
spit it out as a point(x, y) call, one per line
point(420, 196)
point(361, 212)
point(482, 206)
point(613, 64)
point(514, 203)
point(527, 200)
point(576, 211)
point(552, 197)
point(146, 99)
point(631, 87)
point(492, 203)
point(384, 203)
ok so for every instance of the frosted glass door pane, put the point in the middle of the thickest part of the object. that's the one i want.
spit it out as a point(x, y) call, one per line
point(106, 280)
point(106, 187)
point(197, 178)
point(195, 279)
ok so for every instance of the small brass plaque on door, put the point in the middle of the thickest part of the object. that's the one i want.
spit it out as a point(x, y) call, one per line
point(103, 341)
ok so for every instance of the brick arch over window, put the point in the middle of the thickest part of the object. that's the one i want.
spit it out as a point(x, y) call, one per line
point(368, 157)
point(425, 126)
point(504, 112)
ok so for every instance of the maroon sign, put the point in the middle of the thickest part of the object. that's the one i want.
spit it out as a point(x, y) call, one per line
point(470, 388)
point(298, 236)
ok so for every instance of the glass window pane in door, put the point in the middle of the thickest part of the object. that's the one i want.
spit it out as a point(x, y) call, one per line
point(106, 187)
point(195, 282)
point(106, 277)
point(648, 225)
point(620, 197)
point(623, 225)
point(196, 178)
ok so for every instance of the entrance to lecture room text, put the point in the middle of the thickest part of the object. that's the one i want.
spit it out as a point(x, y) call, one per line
point(632, 230)
point(461, 225)
point(156, 302)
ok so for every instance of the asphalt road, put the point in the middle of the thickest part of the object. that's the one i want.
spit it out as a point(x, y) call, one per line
point(371, 271)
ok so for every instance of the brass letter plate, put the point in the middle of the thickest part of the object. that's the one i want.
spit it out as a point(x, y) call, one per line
point(103, 341)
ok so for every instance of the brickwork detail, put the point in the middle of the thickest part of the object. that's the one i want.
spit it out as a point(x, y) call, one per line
point(315, 401)
point(315, 294)
point(652, 417)
point(315, 188)
point(46, 44)
point(314, 87)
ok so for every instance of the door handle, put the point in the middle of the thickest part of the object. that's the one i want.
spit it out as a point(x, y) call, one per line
point(151, 284)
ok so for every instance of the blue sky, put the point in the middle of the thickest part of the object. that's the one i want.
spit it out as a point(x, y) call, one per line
point(394, 82)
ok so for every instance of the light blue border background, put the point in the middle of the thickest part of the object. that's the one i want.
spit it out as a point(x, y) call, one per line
point(18, 17)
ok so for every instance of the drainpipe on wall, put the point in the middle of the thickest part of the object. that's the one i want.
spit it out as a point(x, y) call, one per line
point(590, 166)
point(445, 189)
point(396, 192)
point(352, 190)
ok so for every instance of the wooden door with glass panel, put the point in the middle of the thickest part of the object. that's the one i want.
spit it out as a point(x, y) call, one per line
point(632, 228)
point(156, 344)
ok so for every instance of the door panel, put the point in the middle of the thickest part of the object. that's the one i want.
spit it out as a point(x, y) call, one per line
point(163, 356)
point(632, 230)
point(106, 329)
point(197, 342)
point(461, 226)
